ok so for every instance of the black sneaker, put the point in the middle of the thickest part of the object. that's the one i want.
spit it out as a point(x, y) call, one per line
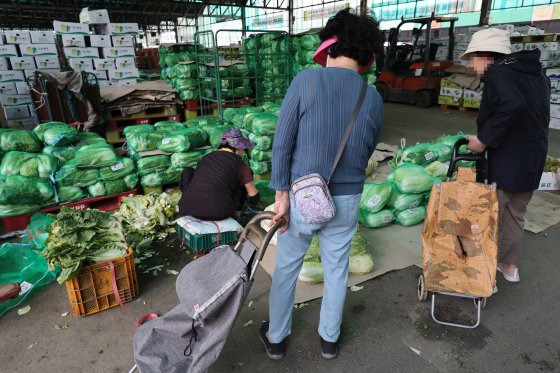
point(275, 351)
point(329, 350)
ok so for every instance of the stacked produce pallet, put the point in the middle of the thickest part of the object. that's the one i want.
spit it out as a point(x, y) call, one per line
point(55, 164)
point(108, 52)
point(548, 44)
point(554, 76)
point(303, 46)
point(21, 53)
point(402, 199)
point(162, 151)
point(180, 69)
point(272, 67)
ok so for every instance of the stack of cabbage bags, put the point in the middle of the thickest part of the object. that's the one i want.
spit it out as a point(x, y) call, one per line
point(95, 170)
point(360, 263)
point(172, 137)
point(25, 184)
point(272, 68)
point(303, 47)
point(235, 80)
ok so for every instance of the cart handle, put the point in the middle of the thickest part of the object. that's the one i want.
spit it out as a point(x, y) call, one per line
point(254, 227)
point(456, 157)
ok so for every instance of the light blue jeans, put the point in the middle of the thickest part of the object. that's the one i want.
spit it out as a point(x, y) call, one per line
point(335, 237)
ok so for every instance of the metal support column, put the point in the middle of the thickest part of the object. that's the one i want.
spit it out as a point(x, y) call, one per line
point(485, 12)
point(291, 17)
point(243, 23)
point(363, 7)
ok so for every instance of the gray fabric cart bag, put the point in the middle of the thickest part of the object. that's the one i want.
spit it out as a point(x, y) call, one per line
point(211, 291)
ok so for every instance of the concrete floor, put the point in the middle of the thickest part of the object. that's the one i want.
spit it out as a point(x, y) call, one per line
point(383, 324)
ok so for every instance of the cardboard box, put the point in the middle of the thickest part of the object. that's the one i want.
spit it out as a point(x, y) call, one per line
point(22, 88)
point(471, 103)
point(81, 63)
point(2, 39)
point(100, 41)
point(461, 46)
point(17, 112)
point(33, 50)
point(555, 111)
point(103, 63)
point(22, 63)
point(16, 100)
point(23, 123)
point(544, 46)
point(547, 64)
point(8, 89)
point(11, 76)
point(517, 47)
point(94, 17)
point(118, 52)
point(47, 62)
point(554, 85)
point(451, 101)
point(107, 84)
point(62, 27)
point(549, 56)
point(74, 41)
point(553, 73)
point(74, 52)
point(470, 94)
point(123, 41)
point(100, 74)
point(451, 92)
point(4, 64)
point(125, 63)
point(122, 83)
point(42, 37)
point(123, 74)
point(528, 30)
point(549, 181)
point(8, 50)
point(555, 98)
point(17, 37)
point(120, 29)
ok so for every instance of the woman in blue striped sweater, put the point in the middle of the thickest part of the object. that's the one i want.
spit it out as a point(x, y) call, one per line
point(312, 121)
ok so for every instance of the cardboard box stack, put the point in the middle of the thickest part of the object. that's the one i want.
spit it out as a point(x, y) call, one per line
point(554, 76)
point(109, 53)
point(21, 53)
point(450, 94)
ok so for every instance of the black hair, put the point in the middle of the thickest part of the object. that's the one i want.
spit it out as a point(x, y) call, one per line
point(358, 36)
point(226, 146)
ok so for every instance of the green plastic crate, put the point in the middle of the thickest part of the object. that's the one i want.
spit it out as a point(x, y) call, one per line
point(204, 243)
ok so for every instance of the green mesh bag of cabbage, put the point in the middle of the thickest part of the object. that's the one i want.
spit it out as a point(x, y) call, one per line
point(71, 175)
point(411, 216)
point(168, 126)
point(123, 167)
point(28, 164)
point(56, 134)
point(142, 138)
point(95, 156)
point(20, 189)
point(376, 219)
point(402, 201)
point(187, 159)
point(19, 140)
point(375, 196)
point(411, 178)
point(151, 164)
point(151, 180)
point(62, 154)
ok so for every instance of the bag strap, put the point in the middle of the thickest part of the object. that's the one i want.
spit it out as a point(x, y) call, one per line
point(349, 127)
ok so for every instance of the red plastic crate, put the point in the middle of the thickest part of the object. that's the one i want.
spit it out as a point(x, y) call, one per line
point(118, 125)
point(104, 203)
point(192, 104)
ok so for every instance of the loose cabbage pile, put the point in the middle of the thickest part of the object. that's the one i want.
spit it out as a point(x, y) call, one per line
point(80, 236)
point(360, 262)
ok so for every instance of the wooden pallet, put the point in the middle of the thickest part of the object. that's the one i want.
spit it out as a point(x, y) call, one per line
point(120, 124)
point(160, 111)
point(104, 203)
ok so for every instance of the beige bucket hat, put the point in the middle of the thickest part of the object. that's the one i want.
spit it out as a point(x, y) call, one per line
point(489, 40)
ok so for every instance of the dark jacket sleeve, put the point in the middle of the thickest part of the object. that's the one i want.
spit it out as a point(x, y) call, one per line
point(506, 104)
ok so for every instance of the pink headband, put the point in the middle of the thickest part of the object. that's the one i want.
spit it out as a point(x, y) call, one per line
point(321, 54)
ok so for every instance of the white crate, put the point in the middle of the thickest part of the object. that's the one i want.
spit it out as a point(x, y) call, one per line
point(8, 89)
point(94, 17)
point(74, 41)
point(42, 37)
point(34, 50)
point(74, 52)
point(123, 41)
point(16, 100)
point(22, 63)
point(17, 37)
point(17, 112)
point(11, 76)
point(61, 27)
point(118, 52)
point(8, 50)
point(47, 62)
point(100, 41)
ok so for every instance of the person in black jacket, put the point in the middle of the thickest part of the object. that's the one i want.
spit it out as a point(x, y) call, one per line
point(513, 125)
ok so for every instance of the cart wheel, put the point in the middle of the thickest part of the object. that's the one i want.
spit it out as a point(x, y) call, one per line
point(482, 302)
point(422, 291)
